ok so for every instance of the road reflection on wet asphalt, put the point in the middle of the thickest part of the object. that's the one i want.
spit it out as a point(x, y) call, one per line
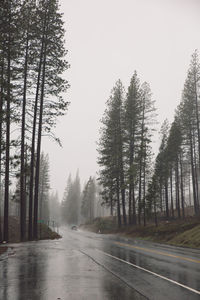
point(85, 265)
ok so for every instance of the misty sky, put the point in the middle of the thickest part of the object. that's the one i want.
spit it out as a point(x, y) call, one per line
point(108, 40)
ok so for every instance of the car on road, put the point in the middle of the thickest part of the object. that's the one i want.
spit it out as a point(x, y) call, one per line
point(74, 227)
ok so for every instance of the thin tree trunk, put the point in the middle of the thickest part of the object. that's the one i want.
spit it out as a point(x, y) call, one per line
point(155, 213)
point(32, 165)
point(1, 140)
point(134, 209)
point(37, 172)
point(144, 194)
point(131, 154)
point(123, 204)
point(182, 192)
point(118, 205)
point(193, 175)
point(22, 175)
point(161, 198)
point(177, 191)
point(122, 183)
point(130, 204)
point(171, 190)
point(111, 205)
point(7, 164)
point(140, 172)
point(189, 188)
point(139, 194)
point(166, 199)
point(196, 172)
point(197, 118)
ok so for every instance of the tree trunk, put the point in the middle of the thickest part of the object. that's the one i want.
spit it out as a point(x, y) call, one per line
point(155, 213)
point(130, 204)
point(182, 192)
point(111, 205)
point(32, 165)
point(139, 195)
point(197, 117)
point(134, 209)
point(161, 198)
point(37, 172)
point(123, 206)
point(1, 139)
point(131, 196)
point(171, 190)
point(22, 175)
point(118, 205)
point(166, 199)
point(196, 172)
point(193, 175)
point(144, 194)
point(7, 163)
point(177, 191)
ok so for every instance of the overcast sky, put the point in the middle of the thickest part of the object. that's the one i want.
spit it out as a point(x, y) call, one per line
point(108, 40)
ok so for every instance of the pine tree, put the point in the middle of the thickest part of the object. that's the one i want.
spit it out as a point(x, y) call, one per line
point(51, 84)
point(9, 57)
point(71, 201)
point(111, 151)
point(132, 116)
point(88, 200)
point(44, 186)
point(147, 122)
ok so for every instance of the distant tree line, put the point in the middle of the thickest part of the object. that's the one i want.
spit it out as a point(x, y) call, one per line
point(70, 207)
point(134, 185)
point(32, 60)
point(81, 205)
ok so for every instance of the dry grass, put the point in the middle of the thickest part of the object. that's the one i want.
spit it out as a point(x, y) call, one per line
point(189, 238)
point(177, 232)
point(44, 232)
point(3, 249)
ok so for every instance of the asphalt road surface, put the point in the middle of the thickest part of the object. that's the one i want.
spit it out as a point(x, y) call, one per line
point(90, 266)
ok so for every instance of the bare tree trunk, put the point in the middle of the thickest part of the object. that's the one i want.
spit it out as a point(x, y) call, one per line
point(197, 117)
point(177, 191)
point(32, 166)
point(1, 138)
point(134, 209)
point(193, 175)
point(139, 194)
point(118, 205)
point(166, 199)
point(130, 205)
point(161, 198)
point(196, 172)
point(189, 188)
point(22, 174)
point(182, 193)
point(37, 172)
point(144, 194)
point(171, 190)
point(155, 213)
point(111, 204)
point(7, 164)
point(141, 167)
point(123, 205)
point(131, 196)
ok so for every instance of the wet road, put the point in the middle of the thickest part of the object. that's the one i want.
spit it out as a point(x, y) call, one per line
point(85, 265)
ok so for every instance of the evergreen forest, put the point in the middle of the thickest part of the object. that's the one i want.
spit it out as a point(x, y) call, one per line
point(32, 63)
point(138, 186)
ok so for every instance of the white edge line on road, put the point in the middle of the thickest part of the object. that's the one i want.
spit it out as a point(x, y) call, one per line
point(152, 273)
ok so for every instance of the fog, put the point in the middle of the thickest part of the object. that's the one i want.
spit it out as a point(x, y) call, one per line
point(108, 40)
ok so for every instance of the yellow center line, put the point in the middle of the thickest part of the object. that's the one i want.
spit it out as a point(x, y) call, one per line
point(159, 252)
